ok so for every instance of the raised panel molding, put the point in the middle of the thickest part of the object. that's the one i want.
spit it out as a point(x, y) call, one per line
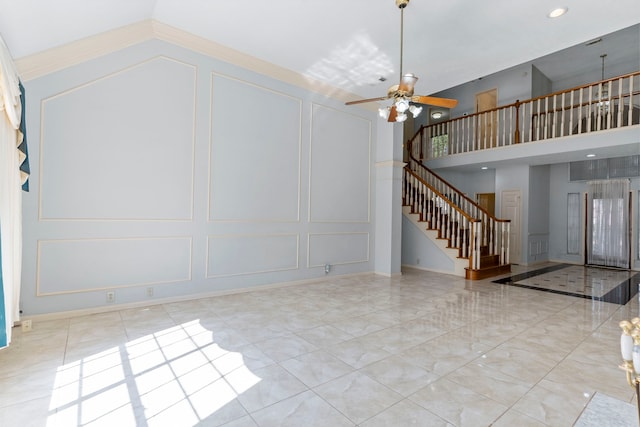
point(262, 184)
point(337, 248)
point(85, 265)
point(340, 162)
point(234, 255)
point(134, 160)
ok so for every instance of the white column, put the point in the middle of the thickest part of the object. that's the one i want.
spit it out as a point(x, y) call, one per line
point(388, 199)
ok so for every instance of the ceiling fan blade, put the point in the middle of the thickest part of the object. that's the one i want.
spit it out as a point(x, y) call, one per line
point(407, 82)
point(362, 101)
point(392, 114)
point(432, 100)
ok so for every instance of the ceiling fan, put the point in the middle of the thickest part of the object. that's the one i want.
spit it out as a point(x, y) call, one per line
point(402, 93)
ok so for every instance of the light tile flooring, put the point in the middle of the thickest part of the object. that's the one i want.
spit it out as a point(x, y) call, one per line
point(422, 349)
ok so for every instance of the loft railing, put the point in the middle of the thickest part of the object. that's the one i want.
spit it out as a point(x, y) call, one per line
point(608, 104)
point(468, 226)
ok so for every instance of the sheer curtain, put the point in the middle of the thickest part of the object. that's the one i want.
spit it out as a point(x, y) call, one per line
point(608, 225)
point(10, 194)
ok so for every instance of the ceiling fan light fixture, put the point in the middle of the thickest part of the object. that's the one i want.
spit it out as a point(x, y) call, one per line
point(402, 93)
point(384, 112)
point(402, 105)
point(415, 110)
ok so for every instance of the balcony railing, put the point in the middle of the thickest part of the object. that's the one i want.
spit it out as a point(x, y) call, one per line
point(608, 104)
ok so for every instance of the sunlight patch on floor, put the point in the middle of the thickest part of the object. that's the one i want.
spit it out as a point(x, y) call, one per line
point(176, 376)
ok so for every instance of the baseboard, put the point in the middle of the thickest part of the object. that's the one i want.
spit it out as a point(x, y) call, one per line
point(430, 270)
point(103, 309)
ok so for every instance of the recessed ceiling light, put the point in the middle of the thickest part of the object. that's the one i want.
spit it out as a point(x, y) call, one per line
point(555, 13)
point(484, 168)
point(591, 155)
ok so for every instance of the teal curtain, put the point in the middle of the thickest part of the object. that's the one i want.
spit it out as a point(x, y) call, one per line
point(24, 167)
point(3, 320)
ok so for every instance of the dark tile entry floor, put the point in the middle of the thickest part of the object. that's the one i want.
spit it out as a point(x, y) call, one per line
point(600, 284)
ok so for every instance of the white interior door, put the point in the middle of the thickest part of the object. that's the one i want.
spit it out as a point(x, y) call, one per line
point(510, 208)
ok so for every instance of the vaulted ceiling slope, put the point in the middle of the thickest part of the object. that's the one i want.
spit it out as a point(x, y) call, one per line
point(350, 44)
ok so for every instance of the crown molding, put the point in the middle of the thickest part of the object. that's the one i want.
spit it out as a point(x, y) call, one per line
point(65, 56)
point(71, 54)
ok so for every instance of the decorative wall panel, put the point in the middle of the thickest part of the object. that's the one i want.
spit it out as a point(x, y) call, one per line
point(340, 183)
point(90, 264)
point(255, 153)
point(121, 147)
point(338, 248)
point(236, 255)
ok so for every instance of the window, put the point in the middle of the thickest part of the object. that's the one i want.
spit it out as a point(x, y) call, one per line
point(440, 145)
point(573, 223)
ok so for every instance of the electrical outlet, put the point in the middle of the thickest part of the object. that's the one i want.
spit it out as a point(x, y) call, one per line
point(111, 296)
point(150, 292)
point(26, 325)
point(327, 268)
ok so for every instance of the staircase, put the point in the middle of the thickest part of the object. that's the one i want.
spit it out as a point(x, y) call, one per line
point(480, 239)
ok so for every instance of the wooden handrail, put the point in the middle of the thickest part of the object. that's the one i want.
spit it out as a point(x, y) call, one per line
point(518, 103)
point(624, 76)
point(521, 121)
point(442, 196)
point(584, 104)
point(476, 234)
point(459, 193)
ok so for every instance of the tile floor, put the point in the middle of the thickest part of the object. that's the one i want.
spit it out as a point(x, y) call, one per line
point(423, 349)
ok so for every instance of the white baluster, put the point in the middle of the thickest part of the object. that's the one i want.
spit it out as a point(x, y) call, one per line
point(545, 129)
point(553, 117)
point(620, 104)
point(507, 241)
point(588, 129)
point(631, 103)
point(476, 249)
point(562, 116)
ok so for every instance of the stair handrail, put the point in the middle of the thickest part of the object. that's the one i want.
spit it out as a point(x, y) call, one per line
point(442, 196)
point(468, 246)
point(452, 187)
point(487, 231)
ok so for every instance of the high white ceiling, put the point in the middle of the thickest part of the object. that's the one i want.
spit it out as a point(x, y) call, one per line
point(348, 43)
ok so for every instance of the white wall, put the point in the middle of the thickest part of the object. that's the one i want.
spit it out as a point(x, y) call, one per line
point(471, 183)
point(538, 226)
point(420, 252)
point(540, 84)
point(512, 84)
point(157, 167)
